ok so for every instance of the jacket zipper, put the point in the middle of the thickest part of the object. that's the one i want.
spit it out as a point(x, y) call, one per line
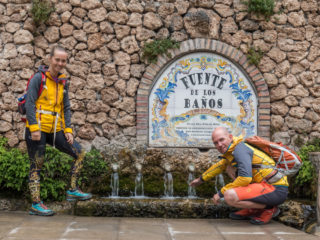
point(54, 107)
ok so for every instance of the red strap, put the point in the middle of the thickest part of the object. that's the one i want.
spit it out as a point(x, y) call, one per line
point(43, 81)
point(29, 82)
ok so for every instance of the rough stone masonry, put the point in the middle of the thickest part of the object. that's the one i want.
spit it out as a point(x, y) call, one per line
point(104, 39)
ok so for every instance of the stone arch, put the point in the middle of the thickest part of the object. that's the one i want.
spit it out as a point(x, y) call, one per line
point(215, 46)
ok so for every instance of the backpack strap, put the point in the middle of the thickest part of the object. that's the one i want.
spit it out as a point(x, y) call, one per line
point(42, 84)
point(66, 83)
point(29, 82)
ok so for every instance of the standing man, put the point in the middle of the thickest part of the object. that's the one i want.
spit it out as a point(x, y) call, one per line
point(250, 168)
point(49, 121)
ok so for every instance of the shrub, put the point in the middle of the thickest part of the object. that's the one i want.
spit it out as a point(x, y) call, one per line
point(14, 168)
point(307, 175)
point(41, 10)
point(94, 172)
point(260, 7)
point(254, 56)
point(55, 174)
point(152, 49)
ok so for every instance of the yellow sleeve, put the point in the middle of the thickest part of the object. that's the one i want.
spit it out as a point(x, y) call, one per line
point(238, 182)
point(214, 170)
point(34, 127)
point(66, 130)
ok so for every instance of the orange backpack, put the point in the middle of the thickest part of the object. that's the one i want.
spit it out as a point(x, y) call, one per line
point(287, 161)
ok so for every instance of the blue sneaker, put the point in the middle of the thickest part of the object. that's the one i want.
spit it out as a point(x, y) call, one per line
point(73, 195)
point(40, 209)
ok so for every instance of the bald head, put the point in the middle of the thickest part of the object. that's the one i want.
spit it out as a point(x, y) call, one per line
point(221, 139)
point(217, 130)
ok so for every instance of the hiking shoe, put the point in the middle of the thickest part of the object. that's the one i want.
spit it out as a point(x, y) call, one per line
point(245, 214)
point(77, 194)
point(265, 216)
point(40, 209)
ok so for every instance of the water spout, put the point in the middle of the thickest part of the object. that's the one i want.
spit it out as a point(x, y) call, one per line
point(168, 182)
point(114, 181)
point(219, 180)
point(191, 190)
point(139, 190)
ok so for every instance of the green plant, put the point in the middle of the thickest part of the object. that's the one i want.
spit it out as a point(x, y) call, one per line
point(152, 49)
point(254, 56)
point(260, 7)
point(41, 10)
point(94, 172)
point(55, 173)
point(307, 175)
point(14, 167)
point(307, 172)
point(55, 176)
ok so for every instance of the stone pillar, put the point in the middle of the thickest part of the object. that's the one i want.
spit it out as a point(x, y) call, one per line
point(315, 159)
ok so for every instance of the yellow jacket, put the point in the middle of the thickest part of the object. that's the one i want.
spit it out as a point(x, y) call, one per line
point(52, 103)
point(243, 157)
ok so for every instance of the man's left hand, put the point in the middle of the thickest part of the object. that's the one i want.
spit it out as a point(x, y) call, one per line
point(216, 199)
point(69, 138)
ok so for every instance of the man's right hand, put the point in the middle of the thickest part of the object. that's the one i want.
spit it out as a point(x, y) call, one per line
point(195, 182)
point(216, 199)
point(36, 136)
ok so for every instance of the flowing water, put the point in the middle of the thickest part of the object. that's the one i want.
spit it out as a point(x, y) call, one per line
point(114, 185)
point(168, 184)
point(191, 190)
point(219, 182)
point(138, 190)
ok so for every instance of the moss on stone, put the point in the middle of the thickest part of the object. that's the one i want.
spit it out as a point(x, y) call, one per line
point(153, 185)
point(126, 185)
point(85, 208)
point(165, 208)
point(180, 184)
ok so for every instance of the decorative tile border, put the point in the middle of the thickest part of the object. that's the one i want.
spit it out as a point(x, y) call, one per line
point(202, 44)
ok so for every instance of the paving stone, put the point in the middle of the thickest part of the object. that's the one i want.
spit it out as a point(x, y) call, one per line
point(21, 226)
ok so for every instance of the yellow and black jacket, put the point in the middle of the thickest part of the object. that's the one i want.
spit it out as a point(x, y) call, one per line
point(244, 158)
point(52, 103)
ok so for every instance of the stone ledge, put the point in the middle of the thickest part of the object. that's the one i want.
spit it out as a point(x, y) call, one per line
point(300, 215)
point(163, 208)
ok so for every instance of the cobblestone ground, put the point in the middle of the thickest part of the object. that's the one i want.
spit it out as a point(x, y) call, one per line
point(20, 225)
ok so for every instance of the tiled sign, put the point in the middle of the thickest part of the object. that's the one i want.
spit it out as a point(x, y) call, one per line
point(195, 94)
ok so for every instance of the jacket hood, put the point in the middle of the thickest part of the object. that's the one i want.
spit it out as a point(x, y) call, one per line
point(45, 70)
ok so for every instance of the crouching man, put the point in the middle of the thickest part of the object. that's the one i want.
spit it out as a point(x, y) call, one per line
point(249, 168)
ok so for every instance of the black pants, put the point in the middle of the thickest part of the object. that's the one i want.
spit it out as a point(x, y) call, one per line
point(36, 152)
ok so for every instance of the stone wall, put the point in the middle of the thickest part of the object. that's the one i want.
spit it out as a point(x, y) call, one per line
point(104, 39)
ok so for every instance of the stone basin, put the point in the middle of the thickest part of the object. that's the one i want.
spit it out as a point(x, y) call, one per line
point(152, 207)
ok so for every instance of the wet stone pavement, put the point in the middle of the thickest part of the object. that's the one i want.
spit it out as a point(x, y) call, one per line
point(20, 225)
